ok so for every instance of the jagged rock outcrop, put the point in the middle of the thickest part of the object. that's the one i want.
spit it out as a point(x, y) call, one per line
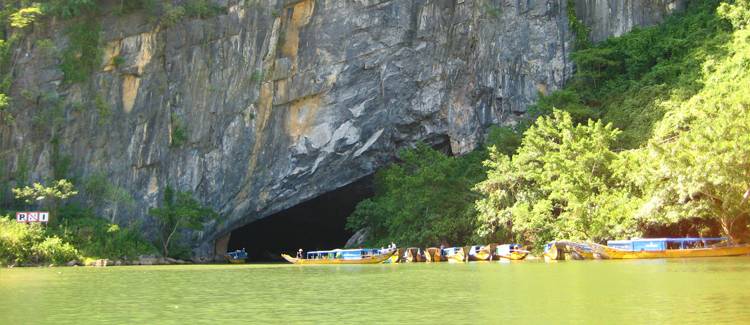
point(276, 102)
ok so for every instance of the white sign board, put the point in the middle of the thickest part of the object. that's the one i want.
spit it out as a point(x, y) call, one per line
point(35, 216)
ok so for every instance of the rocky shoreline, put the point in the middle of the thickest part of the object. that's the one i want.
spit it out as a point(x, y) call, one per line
point(141, 260)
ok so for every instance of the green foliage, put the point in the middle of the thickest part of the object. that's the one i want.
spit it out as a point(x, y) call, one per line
point(104, 111)
point(49, 196)
point(179, 133)
point(69, 8)
point(46, 47)
point(55, 250)
point(491, 10)
point(3, 102)
point(83, 55)
point(552, 188)
point(25, 16)
point(96, 238)
point(60, 161)
point(630, 80)
point(678, 91)
point(202, 9)
point(118, 61)
point(505, 139)
point(172, 14)
point(22, 243)
point(179, 211)
point(736, 12)
point(256, 77)
point(425, 200)
point(700, 154)
point(100, 191)
point(579, 29)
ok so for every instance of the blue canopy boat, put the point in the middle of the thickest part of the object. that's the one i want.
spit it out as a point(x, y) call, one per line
point(237, 257)
point(343, 256)
point(669, 248)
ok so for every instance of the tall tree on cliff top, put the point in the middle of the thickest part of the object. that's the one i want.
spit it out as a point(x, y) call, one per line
point(179, 211)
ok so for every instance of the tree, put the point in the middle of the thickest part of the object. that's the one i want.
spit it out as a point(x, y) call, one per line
point(702, 148)
point(425, 200)
point(560, 184)
point(180, 210)
point(50, 196)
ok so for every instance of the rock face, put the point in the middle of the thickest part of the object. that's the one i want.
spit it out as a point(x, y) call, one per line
point(276, 102)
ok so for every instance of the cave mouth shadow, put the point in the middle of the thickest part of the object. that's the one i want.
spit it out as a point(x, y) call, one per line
point(316, 224)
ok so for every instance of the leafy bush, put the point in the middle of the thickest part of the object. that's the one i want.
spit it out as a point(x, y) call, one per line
point(179, 211)
point(425, 200)
point(97, 238)
point(54, 250)
point(28, 243)
point(83, 55)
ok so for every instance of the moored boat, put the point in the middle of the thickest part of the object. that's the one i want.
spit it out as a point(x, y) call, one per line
point(514, 252)
point(343, 256)
point(456, 254)
point(414, 255)
point(237, 257)
point(434, 254)
point(669, 248)
point(564, 249)
point(480, 252)
point(397, 257)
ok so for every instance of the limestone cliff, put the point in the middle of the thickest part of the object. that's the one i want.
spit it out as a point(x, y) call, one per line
point(276, 102)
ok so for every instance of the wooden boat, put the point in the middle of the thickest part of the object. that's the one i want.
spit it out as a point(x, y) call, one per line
point(456, 254)
point(237, 257)
point(343, 256)
point(434, 254)
point(668, 248)
point(563, 249)
point(413, 255)
point(397, 257)
point(481, 253)
point(512, 252)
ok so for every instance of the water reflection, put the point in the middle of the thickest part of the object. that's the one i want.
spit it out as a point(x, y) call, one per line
point(642, 291)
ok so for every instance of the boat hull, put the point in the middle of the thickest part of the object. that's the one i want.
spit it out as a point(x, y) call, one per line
point(461, 256)
point(236, 261)
point(612, 253)
point(513, 256)
point(413, 255)
point(367, 260)
point(433, 254)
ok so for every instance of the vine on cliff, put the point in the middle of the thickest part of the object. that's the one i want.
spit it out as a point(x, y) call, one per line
point(579, 29)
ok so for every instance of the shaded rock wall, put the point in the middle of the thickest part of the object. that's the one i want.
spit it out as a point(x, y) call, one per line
point(281, 101)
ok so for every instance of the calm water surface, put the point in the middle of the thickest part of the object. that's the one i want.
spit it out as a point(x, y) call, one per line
point(691, 291)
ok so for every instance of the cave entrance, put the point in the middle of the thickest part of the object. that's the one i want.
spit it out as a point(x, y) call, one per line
point(315, 224)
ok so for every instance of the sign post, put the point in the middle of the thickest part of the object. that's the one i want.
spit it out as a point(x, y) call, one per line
point(31, 217)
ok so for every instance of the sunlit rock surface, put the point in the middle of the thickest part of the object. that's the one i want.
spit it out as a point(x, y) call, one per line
point(277, 102)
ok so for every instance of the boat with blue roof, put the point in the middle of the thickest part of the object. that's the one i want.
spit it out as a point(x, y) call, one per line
point(237, 257)
point(669, 248)
point(343, 256)
point(513, 252)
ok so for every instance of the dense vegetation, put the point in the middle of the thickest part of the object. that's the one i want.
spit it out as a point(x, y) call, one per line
point(652, 131)
point(86, 226)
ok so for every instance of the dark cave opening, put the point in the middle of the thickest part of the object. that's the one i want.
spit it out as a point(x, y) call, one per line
point(315, 224)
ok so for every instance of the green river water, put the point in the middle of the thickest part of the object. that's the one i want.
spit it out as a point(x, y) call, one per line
point(690, 291)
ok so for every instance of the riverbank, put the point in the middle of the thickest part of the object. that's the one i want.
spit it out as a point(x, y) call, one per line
point(105, 262)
